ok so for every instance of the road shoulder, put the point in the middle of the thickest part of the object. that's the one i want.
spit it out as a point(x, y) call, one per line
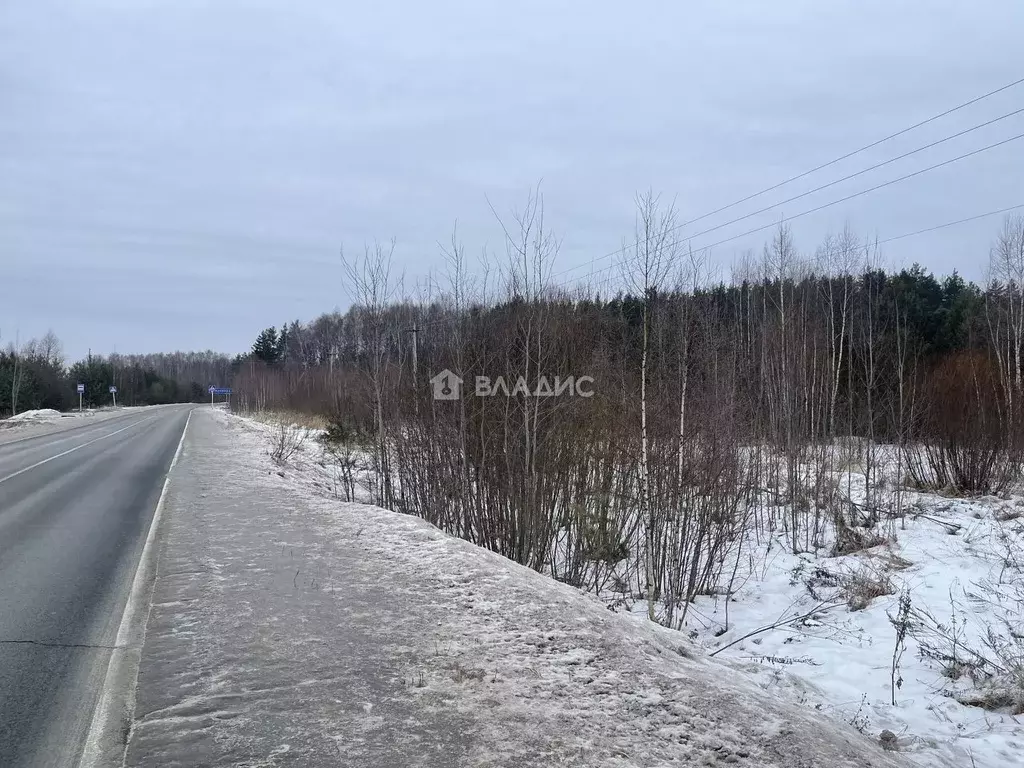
point(268, 640)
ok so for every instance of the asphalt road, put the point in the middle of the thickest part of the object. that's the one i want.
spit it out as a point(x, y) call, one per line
point(75, 510)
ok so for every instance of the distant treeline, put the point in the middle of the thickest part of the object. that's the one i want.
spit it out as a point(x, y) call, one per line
point(35, 375)
point(814, 347)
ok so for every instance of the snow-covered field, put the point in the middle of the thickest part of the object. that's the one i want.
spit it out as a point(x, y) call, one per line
point(523, 651)
point(959, 563)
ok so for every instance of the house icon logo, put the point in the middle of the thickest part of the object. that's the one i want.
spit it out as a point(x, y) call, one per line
point(447, 386)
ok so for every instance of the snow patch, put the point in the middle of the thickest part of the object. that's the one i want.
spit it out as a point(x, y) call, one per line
point(43, 414)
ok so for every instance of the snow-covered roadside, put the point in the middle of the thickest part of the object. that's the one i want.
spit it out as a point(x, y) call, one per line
point(547, 673)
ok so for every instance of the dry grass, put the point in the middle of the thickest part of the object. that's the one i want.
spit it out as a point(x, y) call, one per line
point(850, 540)
point(1009, 514)
point(864, 585)
point(886, 560)
point(297, 418)
point(994, 698)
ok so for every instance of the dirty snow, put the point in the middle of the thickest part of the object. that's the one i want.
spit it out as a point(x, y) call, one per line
point(269, 642)
point(545, 674)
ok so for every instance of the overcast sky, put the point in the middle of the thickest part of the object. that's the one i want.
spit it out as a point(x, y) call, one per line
point(177, 174)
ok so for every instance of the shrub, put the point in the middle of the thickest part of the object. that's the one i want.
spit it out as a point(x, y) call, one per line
point(287, 442)
point(863, 586)
point(964, 444)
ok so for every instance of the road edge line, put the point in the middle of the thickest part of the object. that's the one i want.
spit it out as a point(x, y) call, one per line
point(107, 739)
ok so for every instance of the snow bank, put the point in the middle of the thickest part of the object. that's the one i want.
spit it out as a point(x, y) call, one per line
point(44, 414)
point(548, 674)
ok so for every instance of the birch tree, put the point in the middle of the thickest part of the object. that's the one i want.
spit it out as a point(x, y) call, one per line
point(647, 262)
point(1006, 317)
point(373, 288)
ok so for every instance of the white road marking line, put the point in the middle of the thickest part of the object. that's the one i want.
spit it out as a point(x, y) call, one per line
point(72, 450)
point(108, 716)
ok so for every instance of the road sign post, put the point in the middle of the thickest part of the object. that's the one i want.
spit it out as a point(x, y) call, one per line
point(219, 391)
point(81, 391)
point(113, 394)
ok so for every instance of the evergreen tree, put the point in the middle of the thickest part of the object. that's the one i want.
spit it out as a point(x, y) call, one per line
point(267, 347)
point(282, 344)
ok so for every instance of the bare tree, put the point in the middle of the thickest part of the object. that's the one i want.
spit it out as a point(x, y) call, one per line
point(51, 350)
point(647, 262)
point(373, 288)
point(838, 259)
point(530, 249)
point(1006, 292)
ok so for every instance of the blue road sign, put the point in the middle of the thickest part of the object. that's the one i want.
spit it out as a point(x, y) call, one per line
point(81, 389)
point(113, 390)
point(219, 391)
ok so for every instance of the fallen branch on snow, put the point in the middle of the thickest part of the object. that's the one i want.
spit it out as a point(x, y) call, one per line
point(783, 622)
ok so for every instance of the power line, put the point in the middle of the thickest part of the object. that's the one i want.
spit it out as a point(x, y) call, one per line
point(869, 190)
point(830, 163)
point(915, 233)
point(826, 186)
point(926, 230)
point(605, 282)
point(835, 202)
point(951, 223)
point(865, 148)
